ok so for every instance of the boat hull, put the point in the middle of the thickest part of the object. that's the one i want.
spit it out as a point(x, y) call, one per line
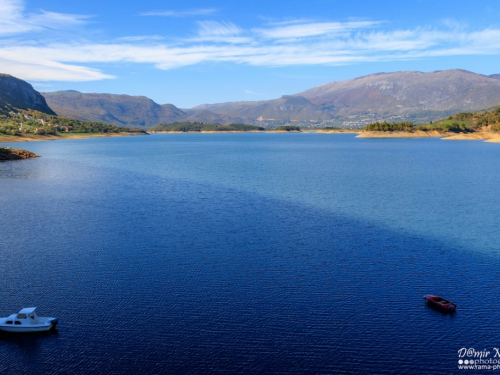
point(43, 328)
point(47, 324)
point(440, 303)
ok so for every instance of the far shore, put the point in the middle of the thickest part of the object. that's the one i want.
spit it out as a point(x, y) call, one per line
point(207, 132)
point(305, 130)
point(487, 136)
point(229, 131)
point(338, 131)
point(48, 137)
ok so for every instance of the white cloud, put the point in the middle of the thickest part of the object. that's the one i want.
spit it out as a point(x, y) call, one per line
point(306, 30)
point(14, 19)
point(218, 29)
point(185, 13)
point(219, 32)
point(298, 42)
point(139, 38)
point(46, 70)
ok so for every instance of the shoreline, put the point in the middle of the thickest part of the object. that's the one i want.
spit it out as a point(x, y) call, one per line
point(206, 132)
point(485, 136)
point(226, 131)
point(40, 138)
point(339, 131)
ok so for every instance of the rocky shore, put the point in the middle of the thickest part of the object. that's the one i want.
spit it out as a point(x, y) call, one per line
point(7, 153)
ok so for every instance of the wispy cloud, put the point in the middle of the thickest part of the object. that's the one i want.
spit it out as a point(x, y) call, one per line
point(305, 30)
point(297, 42)
point(250, 92)
point(220, 32)
point(14, 19)
point(183, 13)
point(139, 38)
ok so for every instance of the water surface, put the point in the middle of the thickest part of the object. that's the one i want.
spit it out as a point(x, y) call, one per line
point(250, 253)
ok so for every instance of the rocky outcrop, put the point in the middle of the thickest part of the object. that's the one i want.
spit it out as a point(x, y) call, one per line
point(7, 153)
point(20, 94)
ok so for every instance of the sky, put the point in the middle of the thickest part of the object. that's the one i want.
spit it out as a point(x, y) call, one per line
point(193, 52)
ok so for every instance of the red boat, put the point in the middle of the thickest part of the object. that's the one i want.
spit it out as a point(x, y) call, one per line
point(440, 303)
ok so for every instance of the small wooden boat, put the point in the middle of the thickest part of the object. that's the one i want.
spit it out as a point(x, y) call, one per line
point(27, 321)
point(440, 303)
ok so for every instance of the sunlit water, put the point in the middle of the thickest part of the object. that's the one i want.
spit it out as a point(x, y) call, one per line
point(250, 253)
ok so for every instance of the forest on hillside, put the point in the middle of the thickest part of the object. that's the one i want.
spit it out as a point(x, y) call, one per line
point(464, 122)
point(15, 121)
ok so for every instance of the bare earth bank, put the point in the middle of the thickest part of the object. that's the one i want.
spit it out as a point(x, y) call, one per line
point(488, 136)
point(36, 138)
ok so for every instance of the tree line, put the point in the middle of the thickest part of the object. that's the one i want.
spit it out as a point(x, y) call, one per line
point(200, 126)
point(464, 122)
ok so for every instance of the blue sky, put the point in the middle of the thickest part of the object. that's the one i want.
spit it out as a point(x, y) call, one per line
point(193, 52)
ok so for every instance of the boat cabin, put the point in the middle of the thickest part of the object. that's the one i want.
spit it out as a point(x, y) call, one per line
point(25, 316)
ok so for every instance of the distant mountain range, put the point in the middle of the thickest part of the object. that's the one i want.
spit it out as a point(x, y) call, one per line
point(410, 96)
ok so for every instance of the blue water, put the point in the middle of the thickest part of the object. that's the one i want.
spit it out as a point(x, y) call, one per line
point(250, 253)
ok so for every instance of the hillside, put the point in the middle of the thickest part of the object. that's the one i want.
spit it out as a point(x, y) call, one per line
point(399, 96)
point(24, 114)
point(16, 93)
point(288, 109)
point(407, 92)
point(118, 110)
point(463, 126)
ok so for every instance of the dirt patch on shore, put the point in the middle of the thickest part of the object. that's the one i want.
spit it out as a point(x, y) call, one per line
point(401, 134)
point(46, 137)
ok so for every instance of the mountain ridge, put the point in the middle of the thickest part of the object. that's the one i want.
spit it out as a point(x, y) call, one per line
point(118, 110)
point(397, 96)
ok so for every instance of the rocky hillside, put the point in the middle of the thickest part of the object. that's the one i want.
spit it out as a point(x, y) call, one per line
point(16, 93)
point(407, 92)
point(118, 110)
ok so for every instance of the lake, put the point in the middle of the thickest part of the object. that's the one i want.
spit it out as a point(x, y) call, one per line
point(250, 253)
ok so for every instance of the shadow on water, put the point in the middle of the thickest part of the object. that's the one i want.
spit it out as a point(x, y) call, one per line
point(26, 339)
point(188, 277)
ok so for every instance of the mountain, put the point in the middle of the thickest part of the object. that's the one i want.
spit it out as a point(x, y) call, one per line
point(412, 96)
point(405, 92)
point(399, 96)
point(495, 76)
point(118, 110)
point(285, 110)
point(16, 93)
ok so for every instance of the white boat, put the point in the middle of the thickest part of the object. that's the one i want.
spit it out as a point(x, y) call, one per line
point(27, 321)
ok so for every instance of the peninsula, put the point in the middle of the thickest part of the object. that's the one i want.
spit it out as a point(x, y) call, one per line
point(7, 153)
point(483, 125)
